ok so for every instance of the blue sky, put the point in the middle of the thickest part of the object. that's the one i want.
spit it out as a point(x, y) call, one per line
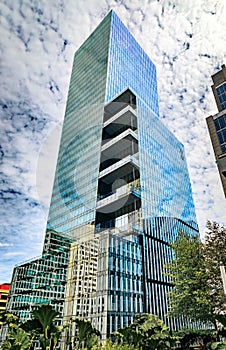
point(185, 40)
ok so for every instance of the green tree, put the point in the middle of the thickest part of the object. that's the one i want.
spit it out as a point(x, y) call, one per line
point(195, 271)
point(17, 339)
point(146, 332)
point(109, 345)
point(45, 314)
point(190, 294)
point(10, 319)
point(215, 256)
point(87, 336)
point(33, 327)
point(42, 327)
point(191, 337)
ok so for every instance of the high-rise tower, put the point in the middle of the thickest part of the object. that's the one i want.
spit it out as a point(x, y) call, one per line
point(121, 190)
point(217, 123)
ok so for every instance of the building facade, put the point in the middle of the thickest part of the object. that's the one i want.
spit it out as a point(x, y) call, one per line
point(41, 280)
point(4, 293)
point(217, 124)
point(126, 192)
point(122, 190)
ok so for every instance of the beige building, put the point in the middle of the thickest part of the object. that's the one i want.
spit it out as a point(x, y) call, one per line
point(95, 272)
point(217, 123)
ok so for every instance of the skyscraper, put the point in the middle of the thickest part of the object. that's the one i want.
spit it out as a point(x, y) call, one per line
point(121, 191)
point(217, 124)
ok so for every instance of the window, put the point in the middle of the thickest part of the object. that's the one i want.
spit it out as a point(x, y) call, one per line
point(220, 124)
point(221, 92)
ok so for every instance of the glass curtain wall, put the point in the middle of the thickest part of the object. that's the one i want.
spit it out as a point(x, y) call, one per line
point(166, 196)
point(72, 209)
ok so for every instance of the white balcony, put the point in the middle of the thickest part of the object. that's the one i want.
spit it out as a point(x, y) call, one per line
point(121, 164)
point(122, 117)
point(116, 140)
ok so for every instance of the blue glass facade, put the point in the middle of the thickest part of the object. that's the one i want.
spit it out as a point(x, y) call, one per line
point(121, 174)
point(109, 62)
point(41, 280)
point(128, 66)
point(75, 185)
point(166, 189)
point(119, 167)
point(166, 196)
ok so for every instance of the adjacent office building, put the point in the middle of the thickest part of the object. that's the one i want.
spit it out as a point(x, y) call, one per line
point(122, 190)
point(41, 280)
point(217, 123)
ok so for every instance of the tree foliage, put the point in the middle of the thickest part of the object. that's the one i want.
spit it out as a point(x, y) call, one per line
point(10, 319)
point(146, 332)
point(215, 256)
point(191, 337)
point(195, 271)
point(41, 327)
point(87, 336)
point(17, 339)
point(109, 345)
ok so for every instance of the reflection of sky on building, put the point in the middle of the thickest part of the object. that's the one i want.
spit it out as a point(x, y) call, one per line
point(166, 183)
point(166, 189)
point(129, 66)
point(75, 187)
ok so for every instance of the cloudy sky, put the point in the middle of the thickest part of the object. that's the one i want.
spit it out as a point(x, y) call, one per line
point(186, 41)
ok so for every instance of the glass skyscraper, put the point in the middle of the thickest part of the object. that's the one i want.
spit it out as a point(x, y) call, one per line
point(122, 190)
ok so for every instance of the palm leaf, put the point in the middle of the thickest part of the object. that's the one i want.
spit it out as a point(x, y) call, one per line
point(46, 315)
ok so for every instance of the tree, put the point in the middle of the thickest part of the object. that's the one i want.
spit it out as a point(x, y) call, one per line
point(215, 256)
point(17, 339)
point(195, 271)
point(42, 327)
point(190, 294)
point(146, 332)
point(87, 336)
point(10, 319)
point(46, 314)
point(190, 337)
point(33, 327)
point(109, 345)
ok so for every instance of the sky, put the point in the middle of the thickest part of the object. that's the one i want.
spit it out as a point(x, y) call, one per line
point(186, 42)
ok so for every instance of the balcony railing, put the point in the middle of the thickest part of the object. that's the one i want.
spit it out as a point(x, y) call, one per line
point(121, 136)
point(130, 158)
point(119, 114)
point(134, 228)
point(131, 188)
